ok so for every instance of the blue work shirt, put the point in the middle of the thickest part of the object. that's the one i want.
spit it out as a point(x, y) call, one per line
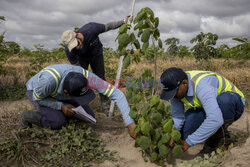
point(92, 45)
point(43, 84)
point(206, 92)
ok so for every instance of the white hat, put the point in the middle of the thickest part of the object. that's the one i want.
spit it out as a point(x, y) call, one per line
point(69, 39)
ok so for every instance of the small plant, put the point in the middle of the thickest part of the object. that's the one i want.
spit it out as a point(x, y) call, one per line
point(153, 122)
point(73, 145)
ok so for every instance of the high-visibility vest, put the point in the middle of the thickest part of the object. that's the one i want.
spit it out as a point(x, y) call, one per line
point(56, 75)
point(224, 86)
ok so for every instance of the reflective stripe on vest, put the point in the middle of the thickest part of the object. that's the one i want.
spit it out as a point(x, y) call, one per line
point(109, 90)
point(56, 76)
point(224, 86)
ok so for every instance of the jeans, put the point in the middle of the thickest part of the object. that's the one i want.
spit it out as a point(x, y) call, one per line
point(231, 107)
point(52, 118)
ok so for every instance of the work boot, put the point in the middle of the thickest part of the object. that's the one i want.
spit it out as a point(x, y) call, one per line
point(211, 143)
point(27, 118)
point(214, 141)
point(104, 104)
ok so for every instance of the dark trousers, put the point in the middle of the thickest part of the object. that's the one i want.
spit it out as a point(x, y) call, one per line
point(96, 63)
point(52, 118)
point(231, 107)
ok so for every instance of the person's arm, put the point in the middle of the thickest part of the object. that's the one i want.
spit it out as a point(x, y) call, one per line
point(41, 94)
point(105, 88)
point(207, 94)
point(113, 25)
point(116, 24)
point(177, 112)
point(73, 59)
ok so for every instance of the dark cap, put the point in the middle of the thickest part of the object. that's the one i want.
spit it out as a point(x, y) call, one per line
point(171, 78)
point(76, 85)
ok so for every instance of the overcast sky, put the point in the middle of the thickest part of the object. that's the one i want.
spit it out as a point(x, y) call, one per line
point(43, 21)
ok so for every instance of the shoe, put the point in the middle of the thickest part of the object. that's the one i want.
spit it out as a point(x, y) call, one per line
point(105, 105)
point(27, 118)
point(206, 150)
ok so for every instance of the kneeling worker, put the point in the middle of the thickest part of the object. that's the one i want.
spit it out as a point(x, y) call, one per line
point(215, 103)
point(56, 89)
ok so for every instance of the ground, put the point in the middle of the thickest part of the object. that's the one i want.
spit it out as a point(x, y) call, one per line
point(115, 136)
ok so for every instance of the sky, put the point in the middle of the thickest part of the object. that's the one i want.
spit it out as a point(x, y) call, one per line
point(30, 22)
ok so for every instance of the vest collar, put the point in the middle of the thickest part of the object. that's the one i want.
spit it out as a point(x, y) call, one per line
point(190, 87)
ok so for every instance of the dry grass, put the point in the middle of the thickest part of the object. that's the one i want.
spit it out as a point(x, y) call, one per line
point(236, 71)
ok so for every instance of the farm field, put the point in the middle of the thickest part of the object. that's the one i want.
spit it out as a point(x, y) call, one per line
point(113, 132)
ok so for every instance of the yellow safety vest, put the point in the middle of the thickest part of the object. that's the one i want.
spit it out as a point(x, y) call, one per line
point(224, 86)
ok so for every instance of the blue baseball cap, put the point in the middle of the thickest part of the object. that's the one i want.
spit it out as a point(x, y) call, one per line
point(76, 85)
point(171, 78)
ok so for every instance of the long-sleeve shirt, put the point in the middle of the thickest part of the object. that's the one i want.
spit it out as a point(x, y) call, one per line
point(92, 44)
point(206, 92)
point(43, 84)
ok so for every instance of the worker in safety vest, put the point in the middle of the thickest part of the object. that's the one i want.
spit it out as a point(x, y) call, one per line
point(56, 89)
point(215, 103)
point(83, 47)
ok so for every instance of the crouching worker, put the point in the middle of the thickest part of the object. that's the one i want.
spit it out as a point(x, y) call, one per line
point(56, 89)
point(215, 103)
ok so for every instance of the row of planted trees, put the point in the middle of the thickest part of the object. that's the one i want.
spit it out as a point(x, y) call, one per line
point(205, 48)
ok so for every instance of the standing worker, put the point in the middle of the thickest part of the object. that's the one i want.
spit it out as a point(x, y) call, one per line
point(83, 47)
point(57, 89)
point(215, 104)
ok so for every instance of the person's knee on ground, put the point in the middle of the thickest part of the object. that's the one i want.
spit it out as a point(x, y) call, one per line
point(27, 118)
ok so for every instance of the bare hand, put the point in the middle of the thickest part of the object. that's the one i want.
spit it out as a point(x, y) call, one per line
point(131, 128)
point(185, 146)
point(67, 110)
point(130, 18)
point(171, 142)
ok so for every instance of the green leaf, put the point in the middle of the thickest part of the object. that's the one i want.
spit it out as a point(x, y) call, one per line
point(132, 37)
point(138, 25)
point(139, 16)
point(154, 100)
point(162, 163)
point(139, 33)
point(144, 142)
point(154, 156)
point(145, 35)
point(145, 128)
point(141, 121)
point(126, 61)
point(2, 18)
point(156, 117)
point(123, 40)
point(165, 138)
point(177, 151)
point(176, 135)
point(160, 43)
point(167, 127)
point(156, 34)
point(133, 114)
point(161, 107)
point(145, 46)
point(156, 22)
point(145, 111)
point(123, 29)
point(163, 150)
point(137, 44)
point(136, 129)
point(149, 11)
point(137, 98)
point(157, 135)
